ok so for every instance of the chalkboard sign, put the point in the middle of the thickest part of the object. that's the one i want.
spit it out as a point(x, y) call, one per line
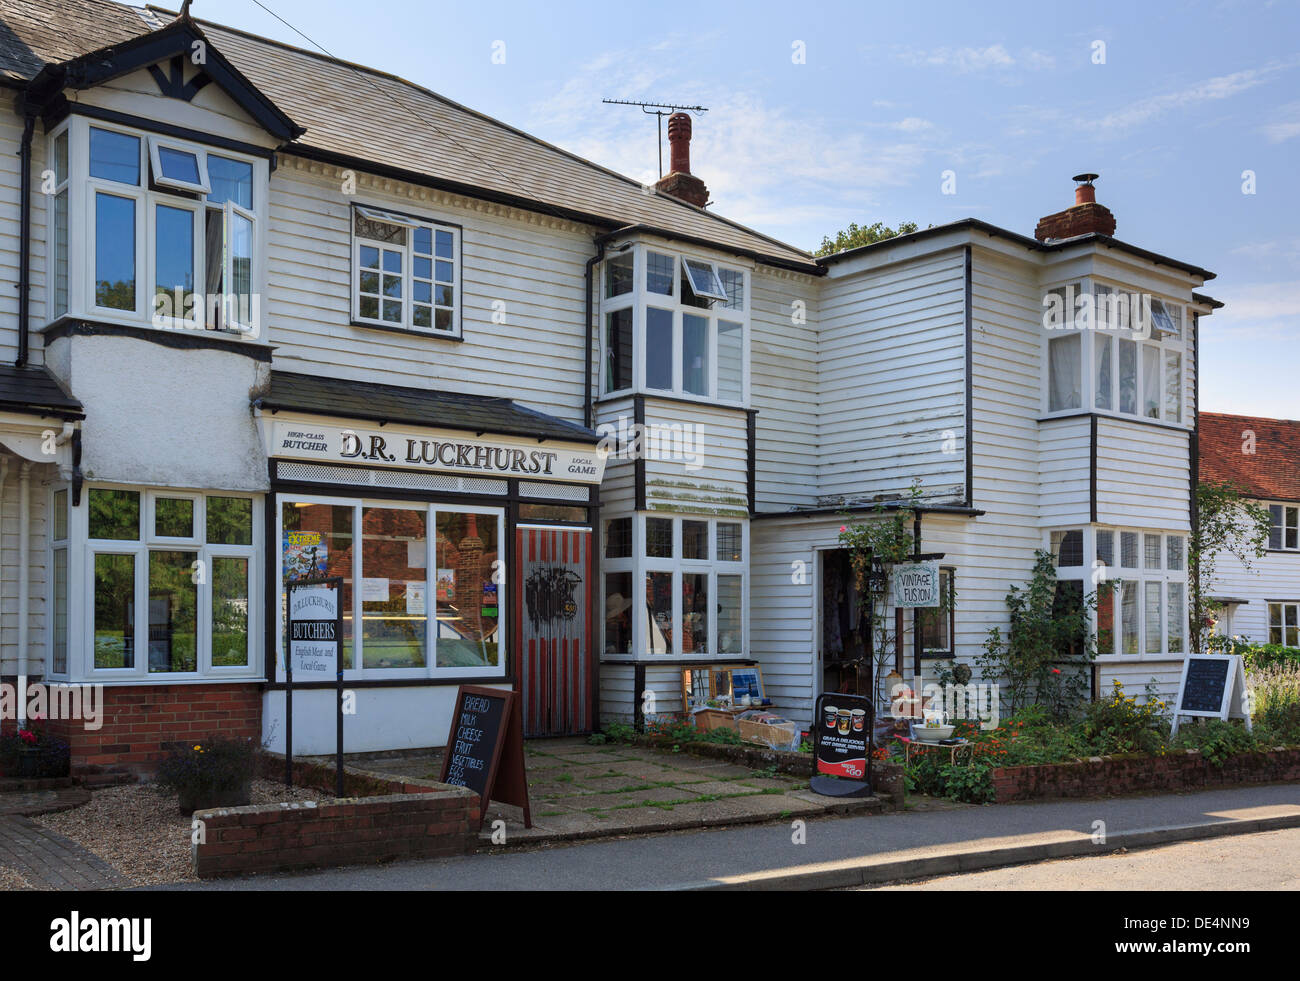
point(1204, 685)
point(1212, 686)
point(842, 727)
point(485, 748)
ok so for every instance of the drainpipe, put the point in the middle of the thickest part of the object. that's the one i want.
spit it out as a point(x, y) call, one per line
point(24, 574)
point(25, 233)
point(600, 240)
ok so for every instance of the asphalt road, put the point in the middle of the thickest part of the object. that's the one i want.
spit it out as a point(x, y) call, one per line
point(684, 859)
point(1266, 861)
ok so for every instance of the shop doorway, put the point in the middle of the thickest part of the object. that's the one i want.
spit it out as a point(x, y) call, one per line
point(553, 596)
point(844, 627)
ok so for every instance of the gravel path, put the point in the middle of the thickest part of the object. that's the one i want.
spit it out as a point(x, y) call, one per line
point(137, 829)
point(12, 881)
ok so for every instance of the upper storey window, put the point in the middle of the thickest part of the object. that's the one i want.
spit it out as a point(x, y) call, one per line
point(406, 272)
point(675, 325)
point(171, 230)
point(1115, 351)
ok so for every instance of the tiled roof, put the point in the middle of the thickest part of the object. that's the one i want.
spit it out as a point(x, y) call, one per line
point(415, 406)
point(1271, 472)
point(349, 112)
point(34, 391)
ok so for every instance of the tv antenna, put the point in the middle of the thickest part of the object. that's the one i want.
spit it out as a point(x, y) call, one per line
point(661, 110)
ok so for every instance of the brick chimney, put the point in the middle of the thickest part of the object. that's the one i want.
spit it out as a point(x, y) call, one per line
point(680, 182)
point(1086, 216)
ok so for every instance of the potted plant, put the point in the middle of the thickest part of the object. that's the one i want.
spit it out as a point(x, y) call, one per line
point(30, 752)
point(211, 773)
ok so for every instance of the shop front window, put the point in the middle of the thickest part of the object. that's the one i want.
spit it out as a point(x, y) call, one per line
point(394, 572)
point(316, 543)
point(469, 611)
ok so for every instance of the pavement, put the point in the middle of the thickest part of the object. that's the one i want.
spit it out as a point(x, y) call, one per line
point(579, 791)
point(831, 851)
point(34, 857)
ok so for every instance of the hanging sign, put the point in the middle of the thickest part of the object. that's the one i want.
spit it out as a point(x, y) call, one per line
point(1212, 686)
point(434, 449)
point(485, 748)
point(842, 728)
point(916, 585)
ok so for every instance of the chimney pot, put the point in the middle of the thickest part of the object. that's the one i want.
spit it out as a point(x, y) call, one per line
point(1084, 218)
point(679, 140)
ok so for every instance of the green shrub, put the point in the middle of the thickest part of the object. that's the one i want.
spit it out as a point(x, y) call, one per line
point(1276, 710)
point(1217, 740)
point(210, 766)
point(1119, 723)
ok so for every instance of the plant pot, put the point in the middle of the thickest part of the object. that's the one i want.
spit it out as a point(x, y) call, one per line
point(29, 762)
point(202, 800)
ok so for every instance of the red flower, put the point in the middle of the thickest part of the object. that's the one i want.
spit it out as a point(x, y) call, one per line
point(1056, 670)
point(843, 529)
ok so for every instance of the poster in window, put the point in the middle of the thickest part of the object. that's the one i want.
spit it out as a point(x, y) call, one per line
point(489, 599)
point(446, 585)
point(415, 598)
point(305, 555)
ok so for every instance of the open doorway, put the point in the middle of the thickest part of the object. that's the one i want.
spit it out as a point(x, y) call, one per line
point(844, 628)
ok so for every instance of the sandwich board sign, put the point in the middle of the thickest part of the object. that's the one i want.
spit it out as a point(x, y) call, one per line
point(485, 748)
point(842, 738)
point(1213, 686)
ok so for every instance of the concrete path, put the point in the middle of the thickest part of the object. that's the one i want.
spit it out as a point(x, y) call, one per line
point(838, 853)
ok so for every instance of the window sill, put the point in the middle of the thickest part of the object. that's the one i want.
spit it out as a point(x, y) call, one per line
point(651, 393)
point(1116, 416)
point(436, 335)
point(154, 681)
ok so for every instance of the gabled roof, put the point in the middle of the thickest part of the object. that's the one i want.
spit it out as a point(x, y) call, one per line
point(348, 112)
point(415, 406)
point(32, 390)
point(1271, 472)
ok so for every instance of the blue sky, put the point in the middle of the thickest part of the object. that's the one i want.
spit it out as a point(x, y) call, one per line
point(889, 96)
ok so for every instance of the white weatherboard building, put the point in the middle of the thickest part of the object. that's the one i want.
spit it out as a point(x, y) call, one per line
point(555, 433)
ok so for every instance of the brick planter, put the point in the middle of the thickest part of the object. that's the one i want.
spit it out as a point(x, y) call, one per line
point(351, 831)
point(1117, 775)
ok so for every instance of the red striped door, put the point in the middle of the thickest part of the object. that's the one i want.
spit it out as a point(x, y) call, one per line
point(553, 593)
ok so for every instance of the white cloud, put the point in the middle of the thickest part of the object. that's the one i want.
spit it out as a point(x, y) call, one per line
point(968, 59)
point(1210, 90)
point(1287, 126)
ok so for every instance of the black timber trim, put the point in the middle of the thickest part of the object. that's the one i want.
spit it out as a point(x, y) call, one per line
point(1194, 444)
point(1115, 417)
point(1092, 469)
point(751, 468)
point(434, 682)
point(319, 155)
point(677, 400)
point(271, 588)
point(60, 109)
point(178, 38)
point(638, 689)
point(638, 465)
point(173, 84)
point(182, 339)
point(970, 384)
point(594, 625)
point(956, 509)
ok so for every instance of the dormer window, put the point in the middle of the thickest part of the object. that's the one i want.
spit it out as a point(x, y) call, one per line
point(171, 230)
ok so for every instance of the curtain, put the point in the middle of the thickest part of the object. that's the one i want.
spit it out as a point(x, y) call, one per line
point(1063, 373)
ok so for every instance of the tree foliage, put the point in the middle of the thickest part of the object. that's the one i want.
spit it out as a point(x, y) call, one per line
point(855, 236)
point(1226, 522)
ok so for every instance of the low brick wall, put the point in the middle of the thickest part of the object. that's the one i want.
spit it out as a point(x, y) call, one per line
point(1116, 775)
point(350, 831)
point(139, 721)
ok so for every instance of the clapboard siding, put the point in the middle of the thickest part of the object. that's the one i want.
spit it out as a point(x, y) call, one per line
point(1143, 475)
point(892, 380)
point(712, 477)
point(39, 492)
point(783, 388)
point(1065, 471)
point(533, 270)
point(11, 132)
point(1275, 576)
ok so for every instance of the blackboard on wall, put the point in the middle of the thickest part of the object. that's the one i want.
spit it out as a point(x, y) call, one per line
point(485, 748)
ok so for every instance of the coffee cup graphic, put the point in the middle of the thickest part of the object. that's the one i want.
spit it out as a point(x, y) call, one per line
point(828, 715)
point(859, 719)
point(842, 721)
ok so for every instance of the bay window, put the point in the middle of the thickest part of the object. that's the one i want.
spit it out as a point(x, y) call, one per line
point(423, 584)
point(170, 229)
point(1140, 578)
point(405, 272)
point(674, 587)
point(673, 324)
point(170, 577)
point(1100, 356)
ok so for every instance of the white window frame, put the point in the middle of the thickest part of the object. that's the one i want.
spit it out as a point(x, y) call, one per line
point(1130, 574)
point(1288, 618)
point(81, 589)
point(641, 565)
point(157, 144)
point(82, 190)
point(431, 510)
point(1163, 342)
point(1286, 510)
point(411, 223)
point(640, 299)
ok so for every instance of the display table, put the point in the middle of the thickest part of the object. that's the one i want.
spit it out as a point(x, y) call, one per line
point(911, 745)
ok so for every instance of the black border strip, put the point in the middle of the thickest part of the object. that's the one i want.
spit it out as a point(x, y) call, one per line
point(638, 465)
point(59, 112)
point(970, 384)
point(179, 339)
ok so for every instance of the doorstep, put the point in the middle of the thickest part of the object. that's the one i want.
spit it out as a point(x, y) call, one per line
point(579, 791)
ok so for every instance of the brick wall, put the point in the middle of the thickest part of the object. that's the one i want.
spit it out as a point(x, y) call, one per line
point(1100, 777)
point(138, 721)
point(351, 831)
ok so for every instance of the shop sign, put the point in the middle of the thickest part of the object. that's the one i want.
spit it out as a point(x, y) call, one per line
point(916, 585)
point(314, 637)
point(842, 728)
point(436, 450)
point(485, 748)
